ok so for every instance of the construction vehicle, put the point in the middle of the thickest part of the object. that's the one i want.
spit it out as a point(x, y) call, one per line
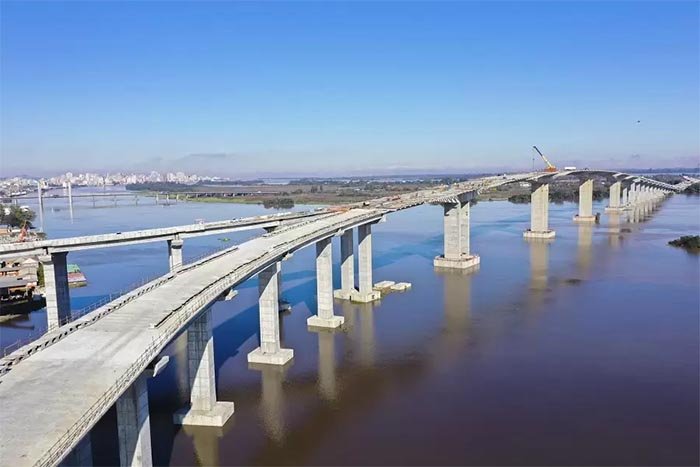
point(550, 166)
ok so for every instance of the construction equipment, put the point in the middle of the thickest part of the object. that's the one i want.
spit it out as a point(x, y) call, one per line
point(23, 233)
point(550, 167)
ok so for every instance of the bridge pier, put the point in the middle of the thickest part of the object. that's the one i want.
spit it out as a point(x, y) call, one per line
point(625, 197)
point(81, 455)
point(324, 317)
point(456, 238)
point(633, 196)
point(539, 213)
point(347, 266)
point(134, 426)
point(585, 202)
point(366, 293)
point(175, 253)
point(204, 409)
point(56, 289)
point(283, 304)
point(614, 201)
point(270, 351)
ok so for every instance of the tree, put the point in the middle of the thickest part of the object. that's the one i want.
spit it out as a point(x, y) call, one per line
point(15, 216)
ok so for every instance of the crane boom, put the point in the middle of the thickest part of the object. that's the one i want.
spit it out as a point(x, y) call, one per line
point(550, 166)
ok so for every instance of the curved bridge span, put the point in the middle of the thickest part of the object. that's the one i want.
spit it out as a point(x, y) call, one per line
point(71, 376)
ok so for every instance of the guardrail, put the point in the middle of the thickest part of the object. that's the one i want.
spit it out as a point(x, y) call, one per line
point(133, 291)
point(184, 313)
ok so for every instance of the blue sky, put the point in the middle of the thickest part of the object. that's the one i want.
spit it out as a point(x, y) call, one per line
point(244, 88)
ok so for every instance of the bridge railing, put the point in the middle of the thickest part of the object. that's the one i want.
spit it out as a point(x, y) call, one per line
point(75, 315)
point(133, 287)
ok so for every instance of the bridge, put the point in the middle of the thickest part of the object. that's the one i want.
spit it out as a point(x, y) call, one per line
point(84, 365)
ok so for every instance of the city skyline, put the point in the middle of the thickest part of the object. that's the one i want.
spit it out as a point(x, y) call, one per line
point(253, 89)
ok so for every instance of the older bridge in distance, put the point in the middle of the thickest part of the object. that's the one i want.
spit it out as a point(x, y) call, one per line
point(84, 365)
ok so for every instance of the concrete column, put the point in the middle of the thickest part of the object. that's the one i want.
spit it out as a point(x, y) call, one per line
point(633, 194)
point(70, 194)
point(539, 213)
point(366, 293)
point(269, 351)
point(133, 425)
point(452, 232)
point(456, 238)
point(175, 253)
point(81, 455)
point(347, 266)
point(625, 197)
point(56, 289)
point(464, 227)
point(614, 201)
point(324, 317)
point(279, 276)
point(204, 409)
point(585, 202)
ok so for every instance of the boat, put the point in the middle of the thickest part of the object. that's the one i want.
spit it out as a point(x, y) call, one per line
point(76, 278)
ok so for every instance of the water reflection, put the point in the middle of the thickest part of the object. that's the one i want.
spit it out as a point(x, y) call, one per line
point(614, 230)
point(456, 291)
point(326, 364)
point(272, 399)
point(205, 442)
point(539, 268)
point(359, 324)
point(583, 251)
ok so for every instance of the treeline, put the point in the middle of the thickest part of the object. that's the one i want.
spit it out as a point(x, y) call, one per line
point(558, 196)
point(256, 181)
point(159, 186)
point(693, 189)
point(278, 203)
point(687, 242)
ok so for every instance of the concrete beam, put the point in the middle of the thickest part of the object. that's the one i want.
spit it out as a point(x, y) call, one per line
point(56, 289)
point(539, 213)
point(270, 351)
point(324, 317)
point(204, 409)
point(134, 426)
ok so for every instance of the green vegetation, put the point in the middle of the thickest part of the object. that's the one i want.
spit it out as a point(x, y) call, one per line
point(16, 217)
point(519, 199)
point(558, 195)
point(159, 186)
point(687, 242)
point(693, 189)
point(279, 203)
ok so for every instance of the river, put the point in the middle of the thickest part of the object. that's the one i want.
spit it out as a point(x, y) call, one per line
point(579, 351)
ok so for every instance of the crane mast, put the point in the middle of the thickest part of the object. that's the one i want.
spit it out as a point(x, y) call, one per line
point(550, 166)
